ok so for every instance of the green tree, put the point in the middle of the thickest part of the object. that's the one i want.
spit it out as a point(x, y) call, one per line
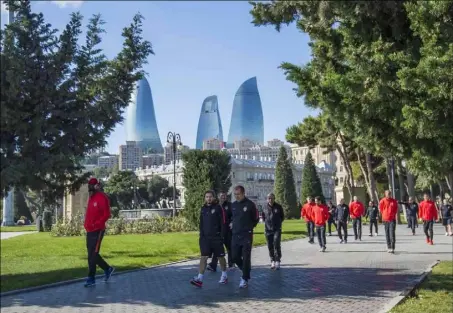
point(61, 97)
point(284, 186)
point(102, 172)
point(156, 187)
point(203, 170)
point(20, 206)
point(311, 184)
point(122, 187)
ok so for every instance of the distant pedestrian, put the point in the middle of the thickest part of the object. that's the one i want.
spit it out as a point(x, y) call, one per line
point(306, 215)
point(332, 215)
point(356, 211)
point(245, 218)
point(411, 213)
point(372, 214)
point(388, 207)
point(97, 214)
point(226, 205)
point(320, 215)
point(273, 218)
point(428, 214)
point(342, 217)
point(447, 214)
point(212, 229)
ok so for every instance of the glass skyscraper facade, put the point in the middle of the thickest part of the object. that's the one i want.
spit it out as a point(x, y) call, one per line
point(141, 123)
point(209, 124)
point(247, 116)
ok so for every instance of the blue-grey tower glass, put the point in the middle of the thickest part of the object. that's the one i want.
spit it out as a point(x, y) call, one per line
point(141, 123)
point(209, 124)
point(247, 116)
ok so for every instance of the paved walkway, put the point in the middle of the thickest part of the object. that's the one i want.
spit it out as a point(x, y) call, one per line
point(11, 234)
point(357, 277)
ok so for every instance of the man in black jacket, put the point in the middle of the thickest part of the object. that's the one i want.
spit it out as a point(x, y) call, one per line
point(273, 218)
point(245, 218)
point(212, 228)
point(372, 213)
point(226, 205)
point(411, 213)
point(331, 221)
point(342, 218)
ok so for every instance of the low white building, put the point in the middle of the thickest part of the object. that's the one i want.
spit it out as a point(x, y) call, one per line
point(108, 161)
point(257, 177)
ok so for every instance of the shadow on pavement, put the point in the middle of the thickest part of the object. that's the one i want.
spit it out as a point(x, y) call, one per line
point(169, 287)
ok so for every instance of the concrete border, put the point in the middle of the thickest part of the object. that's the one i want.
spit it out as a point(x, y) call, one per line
point(409, 290)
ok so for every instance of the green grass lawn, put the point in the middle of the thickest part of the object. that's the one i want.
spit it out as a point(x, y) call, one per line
point(435, 295)
point(38, 259)
point(5, 229)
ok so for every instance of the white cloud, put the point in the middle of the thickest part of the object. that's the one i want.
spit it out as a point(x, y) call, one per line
point(64, 4)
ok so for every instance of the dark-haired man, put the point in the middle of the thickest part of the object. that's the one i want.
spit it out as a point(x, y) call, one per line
point(332, 214)
point(411, 213)
point(356, 211)
point(320, 215)
point(273, 218)
point(388, 207)
point(428, 214)
point(226, 205)
point(212, 228)
point(306, 215)
point(97, 214)
point(342, 218)
point(245, 218)
point(372, 214)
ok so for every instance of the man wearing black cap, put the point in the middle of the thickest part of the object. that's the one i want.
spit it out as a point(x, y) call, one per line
point(97, 214)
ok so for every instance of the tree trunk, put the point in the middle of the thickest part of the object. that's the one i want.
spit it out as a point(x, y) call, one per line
point(449, 180)
point(411, 185)
point(365, 174)
point(389, 174)
point(401, 185)
point(441, 190)
point(374, 192)
point(349, 178)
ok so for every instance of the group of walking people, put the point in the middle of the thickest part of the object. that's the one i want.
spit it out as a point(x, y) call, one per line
point(226, 228)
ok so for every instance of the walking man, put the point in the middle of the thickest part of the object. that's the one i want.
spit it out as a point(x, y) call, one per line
point(306, 215)
point(428, 213)
point(273, 218)
point(212, 229)
point(342, 220)
point(389, 208)
point(372, 214)
point(320, 215)
point(226, 206)
point(447, 213)
point(97, 214)
point(245, 218)
point(357, 209)
point(411, 213)
point(332, 215)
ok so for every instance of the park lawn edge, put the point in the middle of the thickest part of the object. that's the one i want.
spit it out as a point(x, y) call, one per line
point(13, 229)
point(119, 271)
point(423, 299)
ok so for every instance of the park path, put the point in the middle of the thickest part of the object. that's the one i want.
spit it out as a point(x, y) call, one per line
point(11, 234)
point(357, 277)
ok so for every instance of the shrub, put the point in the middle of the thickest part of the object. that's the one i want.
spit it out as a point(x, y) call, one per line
point(47, 220)
point(74, 227)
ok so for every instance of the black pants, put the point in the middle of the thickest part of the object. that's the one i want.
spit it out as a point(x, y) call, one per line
point(94, 240)
point(357, 226)
point(373, 222)
point(321, 232)
point(412, 220)
point(311, 231)
point(342, 225)
point(227, 244)
point(329, 225)
point(428, 229)
point(390, 228)
point(241, 247)
point(274, 245)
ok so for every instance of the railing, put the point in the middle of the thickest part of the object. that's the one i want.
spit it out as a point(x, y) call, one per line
point(146, 213)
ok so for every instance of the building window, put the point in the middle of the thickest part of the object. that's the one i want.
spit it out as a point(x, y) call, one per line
point(341, 168)
point(341, 180)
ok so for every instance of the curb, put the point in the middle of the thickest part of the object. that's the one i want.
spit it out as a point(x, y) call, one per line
point(78, 280)
point(409, 290)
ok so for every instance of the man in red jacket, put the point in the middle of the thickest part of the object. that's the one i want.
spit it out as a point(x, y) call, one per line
point(320, 215)
point(97, 214)
point(306, 215)
point(428, 213)
point(356, 211)
point(389, 208)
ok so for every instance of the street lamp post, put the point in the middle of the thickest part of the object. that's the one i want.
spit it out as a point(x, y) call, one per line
point(175, 140)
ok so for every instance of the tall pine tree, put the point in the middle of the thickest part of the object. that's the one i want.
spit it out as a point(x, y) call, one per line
point(311, 184)
point(284, 187)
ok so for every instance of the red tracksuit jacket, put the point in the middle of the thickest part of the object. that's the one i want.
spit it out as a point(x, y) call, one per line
point(98, 212)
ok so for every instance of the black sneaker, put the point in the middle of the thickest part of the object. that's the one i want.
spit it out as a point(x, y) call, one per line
point(196, 282)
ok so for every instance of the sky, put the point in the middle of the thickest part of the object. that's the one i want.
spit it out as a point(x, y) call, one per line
point(201, 49)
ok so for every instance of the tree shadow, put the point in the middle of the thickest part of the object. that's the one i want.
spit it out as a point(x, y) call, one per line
point(169, 287)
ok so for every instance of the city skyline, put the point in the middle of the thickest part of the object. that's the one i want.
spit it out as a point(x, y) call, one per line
point(209, 124)
point(141, 122)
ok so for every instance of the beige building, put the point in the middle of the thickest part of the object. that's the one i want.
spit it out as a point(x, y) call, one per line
point(108, 161)
point(213, 144)
point(319, 155)
point(168, 153)
point(130, 156)
point(247, 149)
point(75, 203)
point(154, 159)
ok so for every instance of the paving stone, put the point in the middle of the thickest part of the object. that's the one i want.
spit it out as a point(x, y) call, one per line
point(359, 276)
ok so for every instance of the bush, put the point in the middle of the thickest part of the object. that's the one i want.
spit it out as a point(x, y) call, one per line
point(74, 227)
point(47, 220)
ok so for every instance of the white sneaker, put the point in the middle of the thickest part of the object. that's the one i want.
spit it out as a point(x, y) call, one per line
point(272, 265)
point(375, 234)
point(243, 283)
point(277, 265)
point(223, 279)
point(446, 234)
